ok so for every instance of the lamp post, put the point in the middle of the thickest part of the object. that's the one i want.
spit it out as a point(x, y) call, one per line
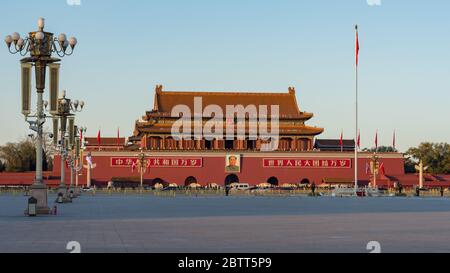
point(421, 169)
point(80, 160)
point(40, 46)
point(66, 110)
point(374, 162)
point(142, 164)
point(75, 168)
point(77, 154)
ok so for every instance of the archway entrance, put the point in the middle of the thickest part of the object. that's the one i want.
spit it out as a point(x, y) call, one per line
point(305, 181)
point(230, 179)
point(273, 181)
point(190, 180)
point(159, 181)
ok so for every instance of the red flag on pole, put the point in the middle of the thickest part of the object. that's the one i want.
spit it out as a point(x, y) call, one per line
point(81, 136)
point(358, 140)
point(382, 170)
point(118, 136)
point(376, 140)
point(393, 141)
point(98, 139)
point(357, 46)
point(341, 141)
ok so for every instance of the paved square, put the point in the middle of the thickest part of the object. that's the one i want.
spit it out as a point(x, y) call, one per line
point(146, 223)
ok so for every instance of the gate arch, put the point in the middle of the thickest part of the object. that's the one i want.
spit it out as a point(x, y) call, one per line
point(231, 178)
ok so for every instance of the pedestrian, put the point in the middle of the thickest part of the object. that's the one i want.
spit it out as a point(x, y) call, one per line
point(442, 191)
point(227, 190)
point(313, 189)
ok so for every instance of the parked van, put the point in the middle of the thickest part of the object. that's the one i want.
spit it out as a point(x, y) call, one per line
point(240, 186)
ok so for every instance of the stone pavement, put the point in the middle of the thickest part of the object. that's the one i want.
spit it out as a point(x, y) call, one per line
point(127, 223)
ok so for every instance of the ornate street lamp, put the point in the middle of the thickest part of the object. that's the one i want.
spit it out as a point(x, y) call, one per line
point(66, 109)
point(74, 163)
point(40, 46)
point(374, 166)
point(142, 163)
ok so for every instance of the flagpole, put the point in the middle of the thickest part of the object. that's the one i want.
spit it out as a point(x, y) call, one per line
point(356, 112)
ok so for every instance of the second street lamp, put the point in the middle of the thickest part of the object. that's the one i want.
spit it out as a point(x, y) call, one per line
point(74, 161)
point(142, 163)
point(65, 112)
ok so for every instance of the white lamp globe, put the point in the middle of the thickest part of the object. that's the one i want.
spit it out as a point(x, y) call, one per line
point(41, 23)
point(73, 41)
point(39, 35)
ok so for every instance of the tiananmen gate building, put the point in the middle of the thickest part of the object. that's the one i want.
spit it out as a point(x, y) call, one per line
point(300, 158)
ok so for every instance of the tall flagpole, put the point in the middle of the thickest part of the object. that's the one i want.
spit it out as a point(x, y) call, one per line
point(356, 112)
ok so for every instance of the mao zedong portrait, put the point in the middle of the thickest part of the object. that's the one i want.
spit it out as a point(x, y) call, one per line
point(233, 165)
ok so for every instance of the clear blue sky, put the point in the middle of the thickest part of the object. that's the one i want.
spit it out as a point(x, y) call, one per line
point(127, 47)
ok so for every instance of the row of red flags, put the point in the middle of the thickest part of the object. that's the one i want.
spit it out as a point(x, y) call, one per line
point(358, 140)
point(99, 137)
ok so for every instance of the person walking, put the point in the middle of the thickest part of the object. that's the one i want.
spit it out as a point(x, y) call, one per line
point(313, 189)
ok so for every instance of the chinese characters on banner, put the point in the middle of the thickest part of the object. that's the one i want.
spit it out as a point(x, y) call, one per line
point(156, 162)
point(306, 163)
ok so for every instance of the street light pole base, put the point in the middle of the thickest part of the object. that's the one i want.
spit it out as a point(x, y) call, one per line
point(72, 192)
point(77, 192)
point(40, 193)
point(64, 192)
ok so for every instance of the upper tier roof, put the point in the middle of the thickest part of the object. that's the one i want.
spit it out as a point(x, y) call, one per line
point(166, 100)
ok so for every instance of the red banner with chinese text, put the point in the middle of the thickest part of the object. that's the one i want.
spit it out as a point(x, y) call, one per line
point(159, 162)
point(306, 163)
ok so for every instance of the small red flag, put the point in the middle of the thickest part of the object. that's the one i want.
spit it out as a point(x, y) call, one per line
point(98, 138)
point(382, 170)
point(358, 140)
point(357, 45)
point(81, 136)
point(376, 140)
point(393, 141)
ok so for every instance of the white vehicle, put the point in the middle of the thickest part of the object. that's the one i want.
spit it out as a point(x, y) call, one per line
point(341, 192)
point(373, 192)
point(86, 189)
point(240, 186)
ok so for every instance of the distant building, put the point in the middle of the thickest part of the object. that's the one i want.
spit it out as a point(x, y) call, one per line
point(299, 159)
point(334, 145)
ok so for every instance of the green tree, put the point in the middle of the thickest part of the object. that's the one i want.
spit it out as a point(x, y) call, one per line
point(434, 155)
point(410, 165)
point(19, 157)
point(381, 149)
